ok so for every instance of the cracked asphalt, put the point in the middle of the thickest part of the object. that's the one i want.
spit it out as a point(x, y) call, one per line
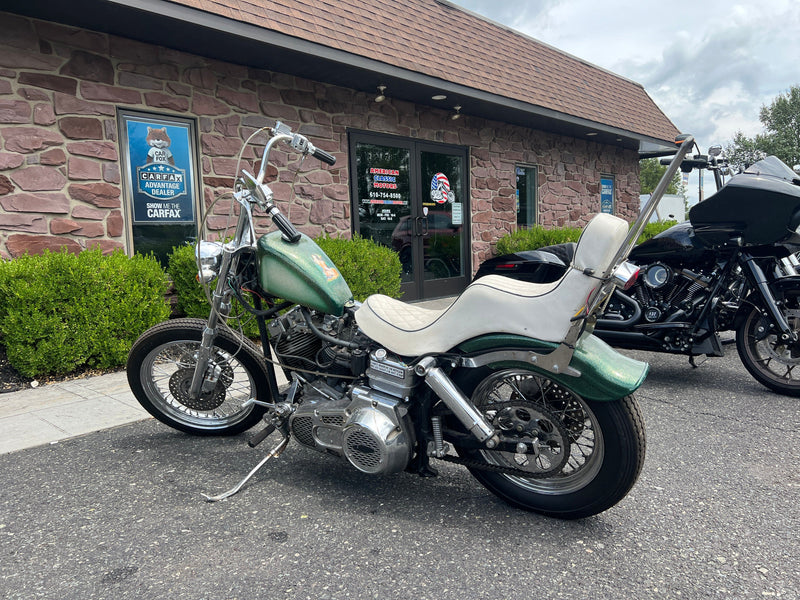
point(118, 514)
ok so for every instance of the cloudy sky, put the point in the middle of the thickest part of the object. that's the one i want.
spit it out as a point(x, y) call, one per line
point(709, 65)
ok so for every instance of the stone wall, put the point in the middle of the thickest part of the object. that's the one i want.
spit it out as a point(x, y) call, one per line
point(60, 181)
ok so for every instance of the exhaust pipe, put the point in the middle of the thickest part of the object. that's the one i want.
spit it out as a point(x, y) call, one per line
point(456, 401)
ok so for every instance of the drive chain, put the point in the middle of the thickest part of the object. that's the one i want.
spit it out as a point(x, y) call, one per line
point(484, 466)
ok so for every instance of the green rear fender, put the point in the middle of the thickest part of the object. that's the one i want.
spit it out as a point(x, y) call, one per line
point(605, 373)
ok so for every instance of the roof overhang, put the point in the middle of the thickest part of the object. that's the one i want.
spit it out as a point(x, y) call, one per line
point(206, 34)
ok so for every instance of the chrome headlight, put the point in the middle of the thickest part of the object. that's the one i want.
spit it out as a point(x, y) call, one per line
point(209, 256)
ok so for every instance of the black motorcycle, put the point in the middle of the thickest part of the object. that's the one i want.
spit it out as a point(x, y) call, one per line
point(731, 267)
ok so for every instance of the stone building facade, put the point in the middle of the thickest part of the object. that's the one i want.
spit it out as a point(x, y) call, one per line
point(60, 172)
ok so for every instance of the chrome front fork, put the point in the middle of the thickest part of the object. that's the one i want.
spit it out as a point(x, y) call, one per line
point(204, 378)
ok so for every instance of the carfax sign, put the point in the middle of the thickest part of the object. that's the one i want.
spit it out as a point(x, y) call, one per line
point(160, 164)
point(607, 195)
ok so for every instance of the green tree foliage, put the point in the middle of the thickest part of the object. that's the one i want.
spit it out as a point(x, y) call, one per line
point(651, 172)
point(781, 121)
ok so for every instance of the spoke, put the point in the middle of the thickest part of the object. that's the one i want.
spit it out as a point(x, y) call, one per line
point(788, 374)
point(521, 395)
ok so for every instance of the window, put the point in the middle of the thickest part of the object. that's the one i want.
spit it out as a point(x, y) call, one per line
point(527, 208)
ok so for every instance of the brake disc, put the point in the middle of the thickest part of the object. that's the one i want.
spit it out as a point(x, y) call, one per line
point(180, 384)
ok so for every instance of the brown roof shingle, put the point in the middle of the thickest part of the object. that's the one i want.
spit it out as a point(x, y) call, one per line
point(442, 41)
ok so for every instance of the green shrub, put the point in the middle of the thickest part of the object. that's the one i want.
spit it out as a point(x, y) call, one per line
point(192, 300)
point(182, 269)
point(61, 311)
point(538, 237)
point(367, 267)
point(653, 229)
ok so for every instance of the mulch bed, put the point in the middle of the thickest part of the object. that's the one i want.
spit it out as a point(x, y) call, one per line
point(10, 380)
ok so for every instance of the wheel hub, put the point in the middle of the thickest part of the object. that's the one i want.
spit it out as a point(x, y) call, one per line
point(542, 442)
point(180, 384)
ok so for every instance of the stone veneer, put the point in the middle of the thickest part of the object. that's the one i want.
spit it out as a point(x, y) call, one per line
point(59, 156)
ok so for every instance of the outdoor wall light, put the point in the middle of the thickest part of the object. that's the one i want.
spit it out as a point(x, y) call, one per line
point(381, 96)
point(457, 114)
point(439, 97)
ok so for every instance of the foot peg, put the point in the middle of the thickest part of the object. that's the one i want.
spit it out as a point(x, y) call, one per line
point(274, 453)
point(261, 436)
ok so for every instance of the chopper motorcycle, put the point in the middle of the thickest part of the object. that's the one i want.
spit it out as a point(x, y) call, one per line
point(731, 267)
point(540, 411)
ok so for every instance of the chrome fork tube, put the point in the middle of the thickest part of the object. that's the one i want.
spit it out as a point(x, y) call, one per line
point(202, 380)
point(456, 401)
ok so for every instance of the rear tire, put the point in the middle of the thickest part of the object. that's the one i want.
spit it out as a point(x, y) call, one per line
point(601, 445)
point(160, 368)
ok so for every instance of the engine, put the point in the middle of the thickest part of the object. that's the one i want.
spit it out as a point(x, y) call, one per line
point(366, 423)
point(370, 429)
point(667, 295)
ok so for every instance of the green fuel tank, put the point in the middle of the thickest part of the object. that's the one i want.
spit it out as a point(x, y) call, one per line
point(301, 273)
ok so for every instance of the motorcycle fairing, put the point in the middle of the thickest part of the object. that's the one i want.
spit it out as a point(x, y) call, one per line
point(760, 206)
point(605, 374)
point(496, 304)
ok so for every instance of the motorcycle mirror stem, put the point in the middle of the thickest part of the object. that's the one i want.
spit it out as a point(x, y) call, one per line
point(686, 142)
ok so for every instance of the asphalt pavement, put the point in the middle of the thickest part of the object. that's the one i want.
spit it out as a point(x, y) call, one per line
point(118, 513)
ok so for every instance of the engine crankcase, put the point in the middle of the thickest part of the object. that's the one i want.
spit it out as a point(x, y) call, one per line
point(370, 429)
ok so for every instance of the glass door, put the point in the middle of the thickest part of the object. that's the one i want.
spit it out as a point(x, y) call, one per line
point(444, 245)
point(412, 197)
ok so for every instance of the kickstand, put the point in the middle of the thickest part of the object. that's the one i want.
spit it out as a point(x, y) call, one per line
point(696, 364)
point(274, 453)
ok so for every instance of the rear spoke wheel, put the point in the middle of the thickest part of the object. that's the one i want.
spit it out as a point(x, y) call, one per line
point(582, 456)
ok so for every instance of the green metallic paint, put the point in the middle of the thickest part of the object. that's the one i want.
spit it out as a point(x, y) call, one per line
point(605, 373)
point(301, 273)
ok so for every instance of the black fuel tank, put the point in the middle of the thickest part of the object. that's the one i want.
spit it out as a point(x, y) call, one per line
point(678, 243)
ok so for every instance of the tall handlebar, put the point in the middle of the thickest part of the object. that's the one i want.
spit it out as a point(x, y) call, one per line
point(644, 215)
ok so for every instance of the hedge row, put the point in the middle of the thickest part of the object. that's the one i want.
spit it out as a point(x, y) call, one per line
point(60, 312)
point(538, 237)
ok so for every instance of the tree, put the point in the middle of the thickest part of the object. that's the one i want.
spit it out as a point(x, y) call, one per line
point(781, 121)
point(650, 173)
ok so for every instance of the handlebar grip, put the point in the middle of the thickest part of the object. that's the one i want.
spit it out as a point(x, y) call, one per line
point(290, 234)
point(324, 156)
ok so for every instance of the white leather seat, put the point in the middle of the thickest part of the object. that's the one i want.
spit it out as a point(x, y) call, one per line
point(497, 304)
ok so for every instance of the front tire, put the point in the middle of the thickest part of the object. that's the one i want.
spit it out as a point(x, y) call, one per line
point(770, 361)
point(160, 367)
point(591, 453)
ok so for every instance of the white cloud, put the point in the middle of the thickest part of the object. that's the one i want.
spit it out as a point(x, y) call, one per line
point(709, 66)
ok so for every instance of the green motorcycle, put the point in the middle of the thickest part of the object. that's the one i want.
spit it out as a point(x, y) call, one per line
point(507, 381)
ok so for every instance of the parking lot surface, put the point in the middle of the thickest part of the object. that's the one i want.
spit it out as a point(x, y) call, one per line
point(119, 514)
